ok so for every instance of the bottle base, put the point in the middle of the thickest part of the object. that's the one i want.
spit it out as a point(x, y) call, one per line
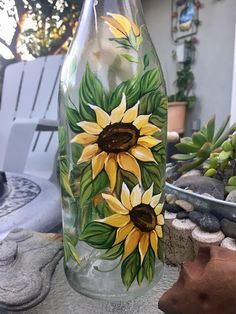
point(108, 286)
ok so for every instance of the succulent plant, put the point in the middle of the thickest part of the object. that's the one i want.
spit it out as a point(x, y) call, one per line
point(195, 150)
point(222, 163)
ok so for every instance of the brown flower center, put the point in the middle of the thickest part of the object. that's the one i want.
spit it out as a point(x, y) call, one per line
point(118, 137)
point(143, 217)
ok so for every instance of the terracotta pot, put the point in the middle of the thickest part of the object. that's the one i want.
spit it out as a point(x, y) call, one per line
point(176, 116)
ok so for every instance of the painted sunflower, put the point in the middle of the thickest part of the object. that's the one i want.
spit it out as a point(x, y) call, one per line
point(117, 140)
point(121, 26)
point(138, 219)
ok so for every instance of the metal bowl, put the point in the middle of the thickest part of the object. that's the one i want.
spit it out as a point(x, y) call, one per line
point(221, 209)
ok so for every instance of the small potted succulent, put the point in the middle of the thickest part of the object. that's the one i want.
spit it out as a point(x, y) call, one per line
point(182, 100)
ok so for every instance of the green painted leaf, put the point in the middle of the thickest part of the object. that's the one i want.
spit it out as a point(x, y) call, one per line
point(73, 117)
point(146, 61)
point(140, 275)
point(130, 268)
point(91, 93)
point(130, 58)
point(131, 88)
point(149, 265)
point(74, 253)
point(62, 140)
point(86, 187)
point(151, 173)
point(211, 129)
point(122, 41)
point(128, 178)
point(113, 253)
point(103, 209)
point(69, 248)
point(65, 176)
point(76, 151)
point(89, 187)
point(151, 81)
point(159, 153)
point(98, 235)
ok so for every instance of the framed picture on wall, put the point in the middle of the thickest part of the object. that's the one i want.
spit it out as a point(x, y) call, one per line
point(184, 19)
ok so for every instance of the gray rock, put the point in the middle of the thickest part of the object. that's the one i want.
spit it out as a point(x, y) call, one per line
point(231, 197)
point(173, 208)
point(195, 217)
point(27, 263)
point(182, 215)
point(194, 172)
point(229, 228)
point(202, 185)
point(209, 223)
point(185, 205)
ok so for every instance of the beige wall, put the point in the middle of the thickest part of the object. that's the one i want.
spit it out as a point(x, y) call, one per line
point(214, 59)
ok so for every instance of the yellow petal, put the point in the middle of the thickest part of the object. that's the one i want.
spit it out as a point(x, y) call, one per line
point(111, 22)
point(116, 220)
point(135, 29)
point(102, 117)
point(116, 33)
point(125, 196)
point(131, 242)
point(143, 245)
point(147, 195)
point(142, 153)
point(159, 208)
point(155, 200)
point(136, 196)
point(131, 114)
point(141, 121)
point(123, 21)
point(160, 220)
point(149, 129)
point(159, 231)
point(84, 139)
point(98, 163)
point(111, 170)
point(154, 241)
point(129, 163)
point(115, 204)
point(148, 141)
point(90, 127)
point(89, 152)
point(118, 113)
point(123, 232)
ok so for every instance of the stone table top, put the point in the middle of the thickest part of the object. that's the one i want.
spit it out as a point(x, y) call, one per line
point(62, 299)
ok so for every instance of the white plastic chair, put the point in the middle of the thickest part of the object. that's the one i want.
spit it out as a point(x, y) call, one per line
point(28, 137)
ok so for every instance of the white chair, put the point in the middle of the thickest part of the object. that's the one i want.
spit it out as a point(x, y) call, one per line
point(29, 141)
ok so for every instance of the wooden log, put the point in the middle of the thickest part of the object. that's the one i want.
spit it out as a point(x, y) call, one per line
point(169, 248)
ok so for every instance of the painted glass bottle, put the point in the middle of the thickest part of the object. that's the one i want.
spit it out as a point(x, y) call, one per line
point(113, 110)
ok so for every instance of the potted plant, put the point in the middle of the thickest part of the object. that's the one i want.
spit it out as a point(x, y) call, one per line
point(182, 100)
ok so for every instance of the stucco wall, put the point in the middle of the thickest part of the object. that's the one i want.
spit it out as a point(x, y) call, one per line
point(214, 59)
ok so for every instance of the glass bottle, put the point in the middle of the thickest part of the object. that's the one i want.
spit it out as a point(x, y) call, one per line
point(113, 112)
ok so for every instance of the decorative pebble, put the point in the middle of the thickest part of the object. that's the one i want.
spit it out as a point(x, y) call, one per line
point(173, 208)
point(182, 215)
point(229, 228)
point(195, 217)
point(209, 223)
point(229, 243)
point(231, 197)
point(170, 198)
point(185, 205)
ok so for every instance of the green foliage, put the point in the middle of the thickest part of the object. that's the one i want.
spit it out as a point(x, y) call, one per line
point(69, 248)
point(185, 84)
point(222, 163)
point(196, 150)
point(130, 268)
